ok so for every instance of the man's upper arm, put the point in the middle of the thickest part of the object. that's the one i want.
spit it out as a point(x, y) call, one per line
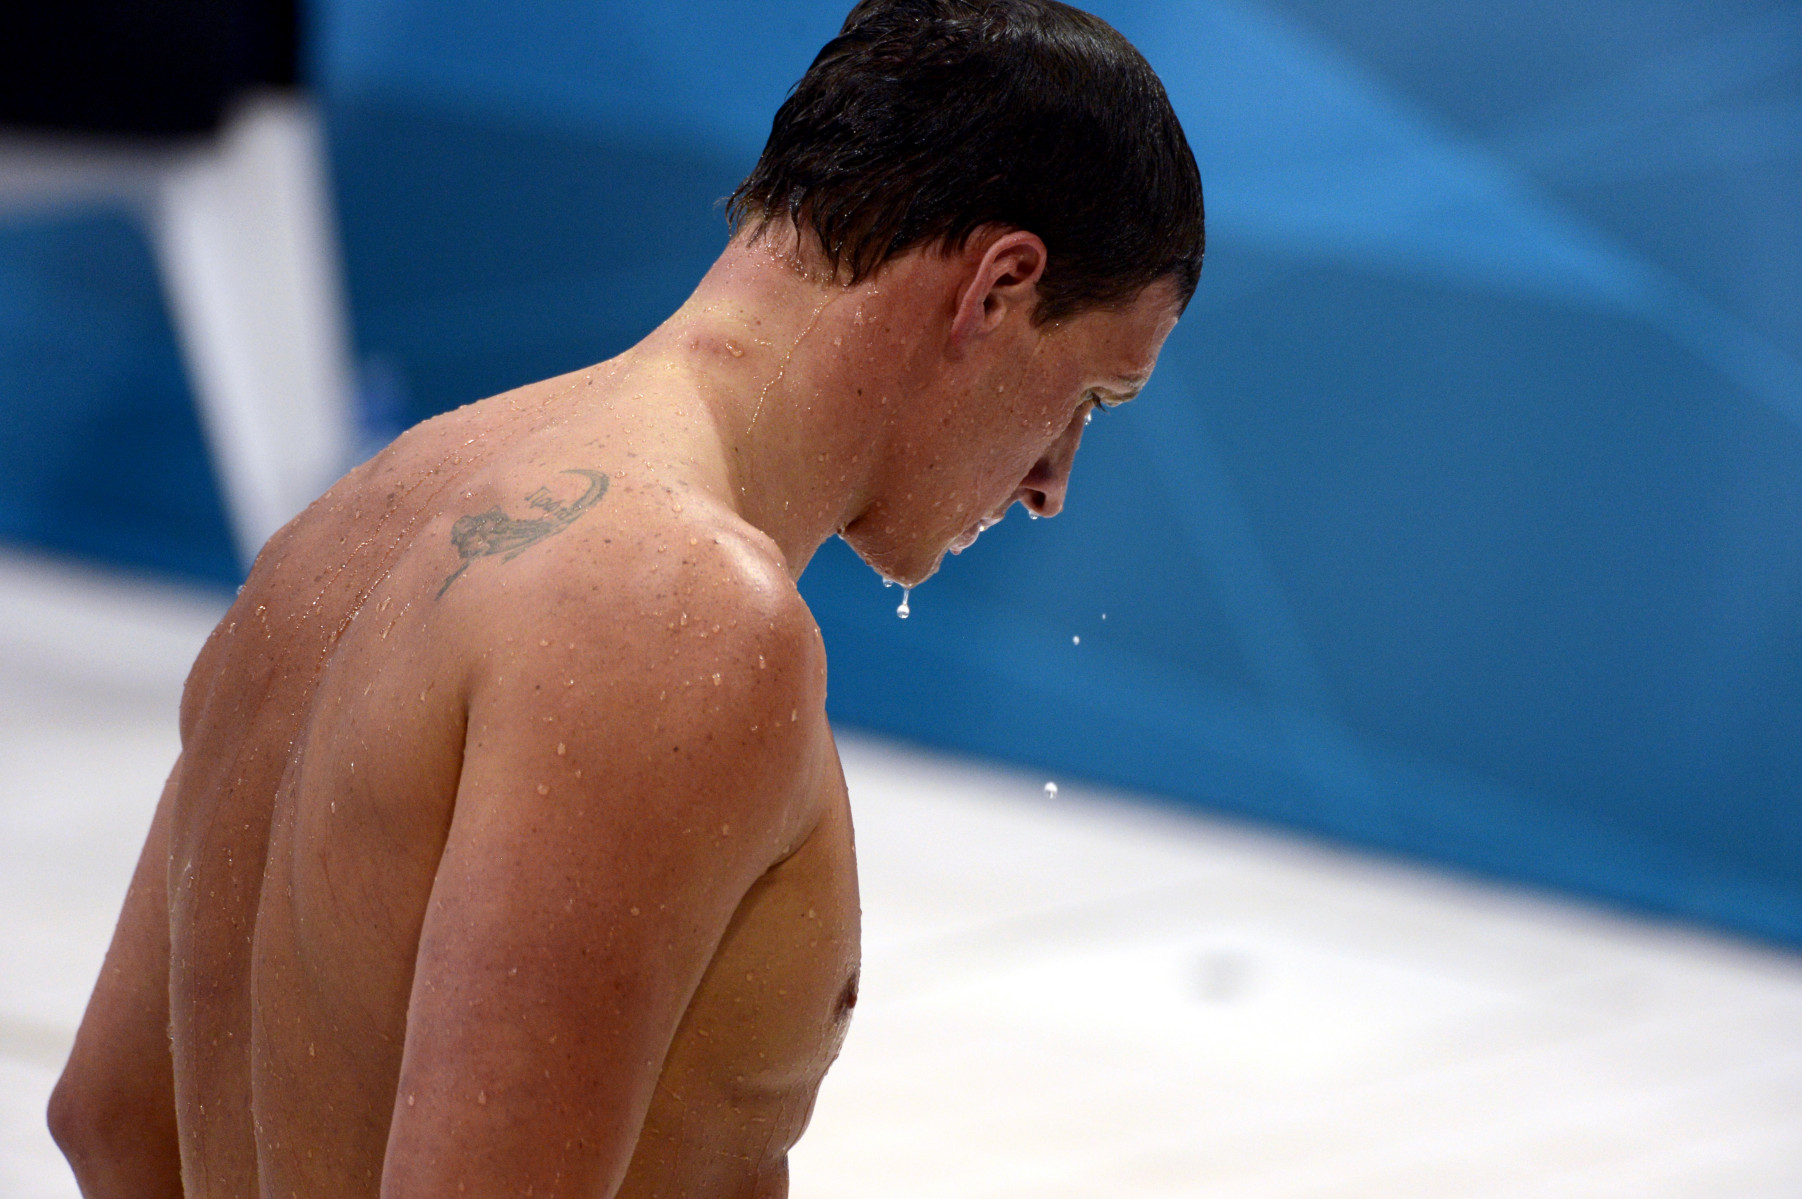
point(610, 817)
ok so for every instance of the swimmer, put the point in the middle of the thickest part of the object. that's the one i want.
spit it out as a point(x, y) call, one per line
point(508, 850)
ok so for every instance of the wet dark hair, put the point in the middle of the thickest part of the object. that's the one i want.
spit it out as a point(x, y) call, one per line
point(925, 120)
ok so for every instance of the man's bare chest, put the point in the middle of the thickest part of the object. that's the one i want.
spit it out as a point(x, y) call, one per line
point(766, 1021)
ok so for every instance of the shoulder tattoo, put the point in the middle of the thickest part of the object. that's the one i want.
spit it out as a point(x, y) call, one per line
point(494, 532)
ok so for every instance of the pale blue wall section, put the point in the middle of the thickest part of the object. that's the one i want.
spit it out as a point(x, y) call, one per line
point(1465, 515)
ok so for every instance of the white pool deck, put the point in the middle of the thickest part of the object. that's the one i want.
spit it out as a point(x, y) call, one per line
point(1089, 997)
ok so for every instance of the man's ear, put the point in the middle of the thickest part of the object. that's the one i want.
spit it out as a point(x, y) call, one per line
point(1004, 280)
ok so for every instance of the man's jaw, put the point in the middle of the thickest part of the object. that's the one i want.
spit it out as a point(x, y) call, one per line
point(889, 566)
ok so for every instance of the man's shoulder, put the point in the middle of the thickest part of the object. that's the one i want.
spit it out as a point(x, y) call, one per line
point(651, 603)
point(692, 674)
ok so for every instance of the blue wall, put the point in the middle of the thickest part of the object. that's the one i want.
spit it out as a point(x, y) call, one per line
point(1463, 519)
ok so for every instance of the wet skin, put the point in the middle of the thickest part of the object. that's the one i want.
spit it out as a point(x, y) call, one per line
point(508, 851)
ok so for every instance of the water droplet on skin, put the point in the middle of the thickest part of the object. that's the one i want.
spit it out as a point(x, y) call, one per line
point(716, 678)
point(543, 789)
point(904, 610)
point(1050, 790)
point(1031, 514)
point(560, 748)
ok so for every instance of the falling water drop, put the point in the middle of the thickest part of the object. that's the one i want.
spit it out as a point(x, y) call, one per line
point(1077, 640)
point(904, 610)
point(1050, 790)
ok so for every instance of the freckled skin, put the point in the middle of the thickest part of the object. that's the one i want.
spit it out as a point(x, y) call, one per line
point(508, 851)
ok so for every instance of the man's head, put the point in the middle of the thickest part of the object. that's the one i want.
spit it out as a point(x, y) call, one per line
point(993, 403)
point(927, 120)
point(1004, 220)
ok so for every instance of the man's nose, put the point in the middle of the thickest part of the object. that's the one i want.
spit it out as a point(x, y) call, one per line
point(1043, 489)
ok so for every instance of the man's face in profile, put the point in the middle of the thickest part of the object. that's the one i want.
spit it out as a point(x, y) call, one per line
point(1010, 432)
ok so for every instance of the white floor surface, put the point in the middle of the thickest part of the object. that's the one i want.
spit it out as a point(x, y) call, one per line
point(1088, 997)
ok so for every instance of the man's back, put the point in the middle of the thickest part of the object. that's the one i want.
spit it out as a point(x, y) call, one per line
point(475, 651)
point(508, 852)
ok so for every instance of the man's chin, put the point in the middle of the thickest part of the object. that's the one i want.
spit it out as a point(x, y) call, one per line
point(895, 564)
point(909, 562)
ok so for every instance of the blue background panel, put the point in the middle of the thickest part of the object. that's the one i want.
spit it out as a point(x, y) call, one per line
point(1463, 519)
point(484, 252)
point(100, 448)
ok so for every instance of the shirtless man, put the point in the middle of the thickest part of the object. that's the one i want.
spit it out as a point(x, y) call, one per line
point(508, 851)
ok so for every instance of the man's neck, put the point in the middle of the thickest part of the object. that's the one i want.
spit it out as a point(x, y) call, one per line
point(802, 379)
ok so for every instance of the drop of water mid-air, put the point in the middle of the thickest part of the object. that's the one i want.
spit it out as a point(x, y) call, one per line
point(1050, 790)
point(904, 610)
point(1076, 640)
